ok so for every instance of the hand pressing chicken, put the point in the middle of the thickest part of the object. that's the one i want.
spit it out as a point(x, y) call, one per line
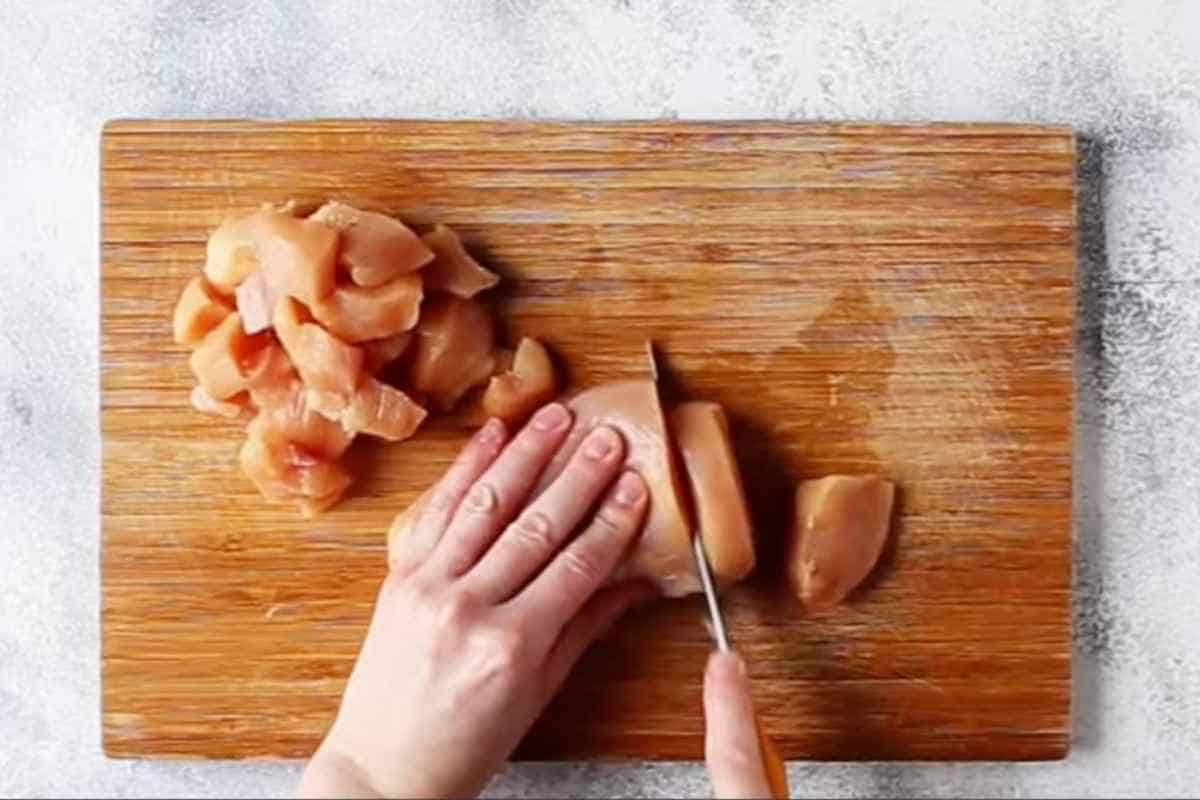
point(490, 602)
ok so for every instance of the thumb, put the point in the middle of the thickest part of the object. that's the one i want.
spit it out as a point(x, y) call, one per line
point(731, 750)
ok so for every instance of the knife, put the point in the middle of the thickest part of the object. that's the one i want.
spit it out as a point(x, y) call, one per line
point(772, 763)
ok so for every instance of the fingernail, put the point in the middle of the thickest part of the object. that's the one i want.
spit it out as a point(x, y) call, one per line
point(630, 490)
point(551, 418)
point(492, 431)
point(600, 443)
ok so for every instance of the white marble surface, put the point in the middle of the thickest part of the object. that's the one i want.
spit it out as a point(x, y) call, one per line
point(1125, 74)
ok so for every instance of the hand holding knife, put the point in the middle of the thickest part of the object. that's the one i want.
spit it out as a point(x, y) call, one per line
point(732, 726)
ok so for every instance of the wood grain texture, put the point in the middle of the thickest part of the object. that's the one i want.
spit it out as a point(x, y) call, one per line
point(895, 299)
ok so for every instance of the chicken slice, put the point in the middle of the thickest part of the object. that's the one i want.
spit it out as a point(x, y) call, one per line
point(376, 248)
point(298, 257)
point(841, 524)
point(325, 363)
point(224, 358)
point(527, 383)
point(200, 309)
point(701, 434)
point(379, 354)
point(359, 313)
point(230, 255)
point(453, 350)
point(663, 554)
point(376, 408)
point(453, 269)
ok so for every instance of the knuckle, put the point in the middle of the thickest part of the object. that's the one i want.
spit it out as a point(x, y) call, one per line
point(533, 531)
point(502, 655)
point(582, 563)
point(440, 501)
point(457, 609)
point(481, 500)
point(612, 521)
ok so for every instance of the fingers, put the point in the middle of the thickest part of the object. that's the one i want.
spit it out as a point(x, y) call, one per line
point(731, 749)
point(417, 529)
point(579, 569)
point(593, 620)
point(542, 528)
point(495, 497)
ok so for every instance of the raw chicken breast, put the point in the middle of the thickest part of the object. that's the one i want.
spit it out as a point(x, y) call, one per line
point(223, 358)
point(359, 313)
point(840, 527)
point(701, 434)
point(231, 256)
point(527, 383)
point(200, 309)
point(378, 354)
point(298, 257)
point(375, 247)
point(663, 554)
point(375, 408)
point(453, 269)
point(325, 363)
point(256, 301)
point(453, 350)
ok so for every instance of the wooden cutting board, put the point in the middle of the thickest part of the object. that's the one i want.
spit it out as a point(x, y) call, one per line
point(861, 298)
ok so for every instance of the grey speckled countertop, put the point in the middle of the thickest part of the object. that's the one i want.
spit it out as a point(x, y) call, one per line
point(1125, 74)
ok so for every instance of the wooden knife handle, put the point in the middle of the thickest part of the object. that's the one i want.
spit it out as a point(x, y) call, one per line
point(772, 763)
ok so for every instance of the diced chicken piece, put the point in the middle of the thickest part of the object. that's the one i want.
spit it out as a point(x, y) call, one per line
point(840, 527)
point(200, 309)
point(663, 554)
point(325, 363)
point(453, 269)
point(297, 422)
point(376, 248)
point(270, 377)
point(224, 357)
point(359, 313)
point(231, 256)
point(376, 408)
point(527, 383)
point(453, 350)
point(283, 470)
point(232, 408)
point(256, 301)
point(701, 434)
point(378, 354)
point(298, 257)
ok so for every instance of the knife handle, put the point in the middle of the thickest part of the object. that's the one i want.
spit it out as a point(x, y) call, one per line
point(772, 763)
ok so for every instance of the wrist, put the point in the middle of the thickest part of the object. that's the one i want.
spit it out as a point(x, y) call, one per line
point(330, 773)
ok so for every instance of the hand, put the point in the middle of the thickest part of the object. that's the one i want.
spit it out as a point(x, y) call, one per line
point(731, 742)
point(491, 600)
